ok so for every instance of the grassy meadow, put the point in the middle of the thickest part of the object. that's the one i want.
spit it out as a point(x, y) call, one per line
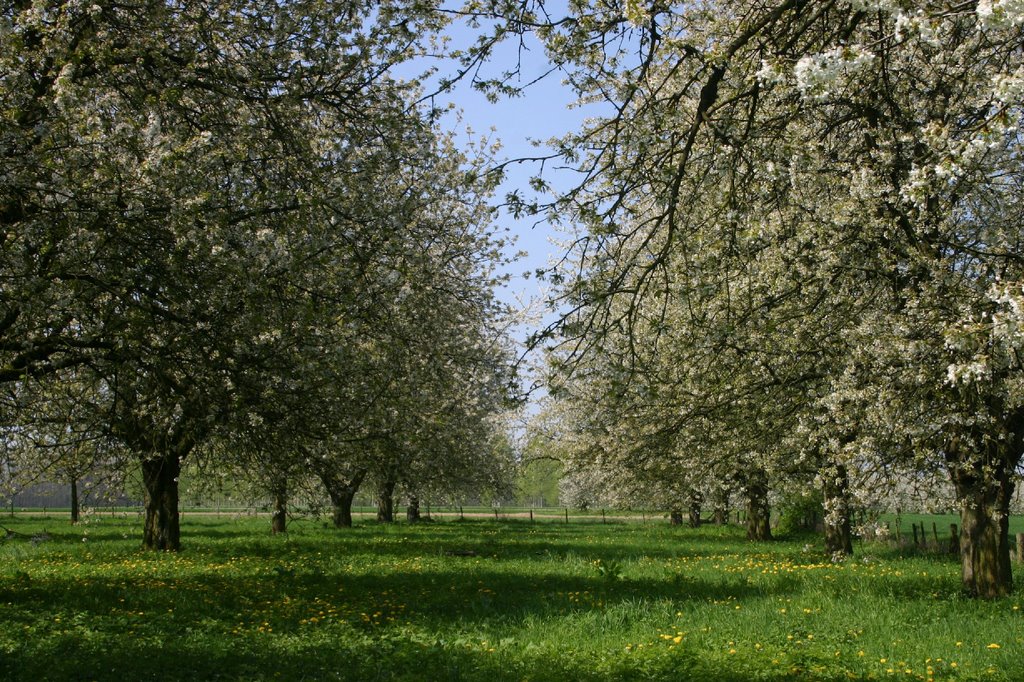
point(485, 600)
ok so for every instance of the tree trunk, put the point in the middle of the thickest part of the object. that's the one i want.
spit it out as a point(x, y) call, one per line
point(676, 517)
point(386, 502)
point(984, 536)
point(695, 504)
point(836, 496)
point(341, 507)
point(721, 508)
point(342, 492)
point(412, 512)
point(162, 527)
point(74, 500)
point(279, 518)
point(758, 512)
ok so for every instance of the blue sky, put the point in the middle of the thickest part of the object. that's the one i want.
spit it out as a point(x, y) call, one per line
point(542, 113)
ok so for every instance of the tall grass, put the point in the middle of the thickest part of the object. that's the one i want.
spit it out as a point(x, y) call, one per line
point(485, 600)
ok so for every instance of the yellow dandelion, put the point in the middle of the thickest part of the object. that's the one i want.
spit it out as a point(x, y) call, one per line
point(993, 645)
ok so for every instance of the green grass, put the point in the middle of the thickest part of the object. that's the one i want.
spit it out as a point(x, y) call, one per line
point(484, 600)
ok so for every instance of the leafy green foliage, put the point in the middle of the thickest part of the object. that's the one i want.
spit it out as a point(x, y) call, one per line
point(799, 512)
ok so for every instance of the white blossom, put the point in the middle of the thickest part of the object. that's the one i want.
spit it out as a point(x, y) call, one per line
point(817, 75)
point(1000, 13)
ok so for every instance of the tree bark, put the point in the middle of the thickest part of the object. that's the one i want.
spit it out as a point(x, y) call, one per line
point(721, 508)
point(386, 502)
point(836, 503)
point(984, 486)
point(675, 517)
point(758, 512)
point(696, 499)
point(341, 508)
point(412, 512)
point(162, 530)
point(279, 518)
point(75, 509)
point(342, 491)
point(984, 534)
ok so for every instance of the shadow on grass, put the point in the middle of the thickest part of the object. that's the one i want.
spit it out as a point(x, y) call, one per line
point(522, 539)
point(284, 595)
point(149, 617)
point(357, 658)
point(374, 603)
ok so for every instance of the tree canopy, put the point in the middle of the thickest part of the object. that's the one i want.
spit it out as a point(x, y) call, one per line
point(236, 224)
point(799, 244)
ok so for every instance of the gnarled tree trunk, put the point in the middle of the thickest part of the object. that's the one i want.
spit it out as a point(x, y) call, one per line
point(721, 507)
point(162, 528)
point(279, 517)
point(696, 499)
point(836, 502)
point(758, 512)
point(386, 502)
point(984, 532)
point(412, 512)
point(342, 491)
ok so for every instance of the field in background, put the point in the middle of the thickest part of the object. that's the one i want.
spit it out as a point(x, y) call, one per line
point(484, 600)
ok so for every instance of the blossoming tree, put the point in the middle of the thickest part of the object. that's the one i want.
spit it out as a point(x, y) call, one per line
point(830, 194)
point(203, 206)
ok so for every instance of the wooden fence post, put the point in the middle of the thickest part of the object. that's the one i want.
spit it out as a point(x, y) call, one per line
point(1020, 547)
point(567, 515)
point(914, 526)
point(954, 540)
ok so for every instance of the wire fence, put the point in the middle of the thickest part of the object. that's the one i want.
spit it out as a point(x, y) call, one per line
point(49, 498)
